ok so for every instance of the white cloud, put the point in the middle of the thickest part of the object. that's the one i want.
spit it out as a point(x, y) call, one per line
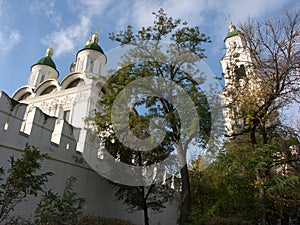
point(8, 39)
point(196, 11)
point(1, 7)
point(204, 13)
point(66, 39)
point(243, 9)
point(189, 10)
point(47, 9)
point(94, 7)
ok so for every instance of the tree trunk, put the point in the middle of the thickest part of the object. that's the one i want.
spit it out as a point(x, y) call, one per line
point(185, 182)
point(186, 196)
point(145, 207)
point(285, 219)
point(259, 179)
point(146, 217)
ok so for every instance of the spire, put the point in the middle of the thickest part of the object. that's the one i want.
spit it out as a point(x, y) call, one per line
point(95, 37)
point(47, 60)
point(88, 42)
point(49, 51)
point(231, 27)
point(232, 31)
point(92, 43)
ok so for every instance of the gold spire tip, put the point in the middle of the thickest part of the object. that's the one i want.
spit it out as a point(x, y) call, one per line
point(49, 51)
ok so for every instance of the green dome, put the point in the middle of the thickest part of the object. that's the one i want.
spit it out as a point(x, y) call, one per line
point(232, 33)
point(47, 61)
point(94, 46)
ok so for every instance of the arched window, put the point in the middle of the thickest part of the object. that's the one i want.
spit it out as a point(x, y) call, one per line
point(49, 90)
point(234, 44)
point(75, 83)
point(240, 72)
point(24, 96)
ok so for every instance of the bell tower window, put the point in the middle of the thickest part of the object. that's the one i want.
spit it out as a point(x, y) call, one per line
point(79, 65)
point(240, 72)
point(42, 78)
point(91, 65)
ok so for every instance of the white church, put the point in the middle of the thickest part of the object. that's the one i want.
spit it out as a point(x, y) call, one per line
point(50, 115)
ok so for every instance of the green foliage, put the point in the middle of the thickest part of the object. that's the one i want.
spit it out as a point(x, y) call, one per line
point(229, 187)
point(17, 221)
point(55, 209)
point(22, 179)
point(173, 65)
point(142, 197)
point(82, 220)
point(165, 28)
point(204, 190)
point(220, 221)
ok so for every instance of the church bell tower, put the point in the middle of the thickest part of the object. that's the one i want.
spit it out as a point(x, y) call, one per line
point(237, 72)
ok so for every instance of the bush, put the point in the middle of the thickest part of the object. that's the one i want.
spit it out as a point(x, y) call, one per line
point(96, 220)
point(22, 179)
point(54, 209)
point(220, 221)
point(18, 221)
point(83, 220)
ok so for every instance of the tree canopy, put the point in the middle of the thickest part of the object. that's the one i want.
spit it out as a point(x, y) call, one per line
point(153, 100)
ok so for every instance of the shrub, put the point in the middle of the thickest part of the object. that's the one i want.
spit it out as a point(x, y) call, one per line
point(220, 221)
point(96, 220)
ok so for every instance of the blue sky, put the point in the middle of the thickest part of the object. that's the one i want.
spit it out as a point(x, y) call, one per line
point(28, 26)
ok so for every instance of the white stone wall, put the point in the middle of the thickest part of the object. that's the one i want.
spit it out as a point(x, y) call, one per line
point(64, 162)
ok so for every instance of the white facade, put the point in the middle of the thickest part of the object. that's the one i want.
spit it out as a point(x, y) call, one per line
point(72, 99)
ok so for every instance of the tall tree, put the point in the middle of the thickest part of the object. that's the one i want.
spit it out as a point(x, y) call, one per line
point(150, 59)
point(22, 179)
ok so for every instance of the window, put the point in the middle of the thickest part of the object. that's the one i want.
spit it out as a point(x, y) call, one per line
point(91, 65)
point(25, 96)
point(240, 72)
point(6, 126)
point(79, 65)
point(48, 90)
point(42, 78)
point(234, 44)
point(67, 115)
point(75, 83)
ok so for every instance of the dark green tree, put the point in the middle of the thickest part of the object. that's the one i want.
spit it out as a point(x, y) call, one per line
point(144, 198)
point(229, 186)
point(22, 179)
point(150, 59)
